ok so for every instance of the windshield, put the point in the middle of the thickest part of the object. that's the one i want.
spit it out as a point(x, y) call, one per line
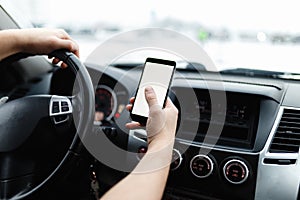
point(252, 34)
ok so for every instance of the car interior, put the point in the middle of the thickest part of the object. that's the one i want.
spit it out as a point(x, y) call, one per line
point(243, 147)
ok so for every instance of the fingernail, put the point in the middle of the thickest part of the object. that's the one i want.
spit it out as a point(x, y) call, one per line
point(148, 89)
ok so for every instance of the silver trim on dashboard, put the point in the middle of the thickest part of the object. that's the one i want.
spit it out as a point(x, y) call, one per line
point(277, 181)
point(211, 147)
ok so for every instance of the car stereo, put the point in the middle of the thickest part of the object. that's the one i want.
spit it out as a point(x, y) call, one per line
point(235, 118)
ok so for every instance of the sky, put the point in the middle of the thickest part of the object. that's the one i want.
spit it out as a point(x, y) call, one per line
point(236, 14)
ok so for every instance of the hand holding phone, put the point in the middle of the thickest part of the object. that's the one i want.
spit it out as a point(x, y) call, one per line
point(161, 119)
point(158, 74)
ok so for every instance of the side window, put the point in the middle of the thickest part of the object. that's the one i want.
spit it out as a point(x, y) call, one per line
point(16, 17)
point(5, 21)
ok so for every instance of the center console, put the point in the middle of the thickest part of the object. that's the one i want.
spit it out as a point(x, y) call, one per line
point(204, 173)
point(209, 165)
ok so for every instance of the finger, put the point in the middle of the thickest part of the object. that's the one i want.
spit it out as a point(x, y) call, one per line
point(55, 61)
point(131, 100)
point(150, 96)
point(66, 44)
point(63, 34)
point(64, 41)
point(77, 53)
point(76, 49)
point(63, 65)
point(133, 125)
point(169, 103)
point(129, 107)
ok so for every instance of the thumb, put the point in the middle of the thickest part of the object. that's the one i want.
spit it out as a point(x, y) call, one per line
point(150, 96)
point(156, 120)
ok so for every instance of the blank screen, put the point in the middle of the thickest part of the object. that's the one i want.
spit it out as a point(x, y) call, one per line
point(158, 76)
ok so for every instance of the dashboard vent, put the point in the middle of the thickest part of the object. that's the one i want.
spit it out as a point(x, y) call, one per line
point(287, 136)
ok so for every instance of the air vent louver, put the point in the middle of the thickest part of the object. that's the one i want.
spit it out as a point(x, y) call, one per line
point(287, 136)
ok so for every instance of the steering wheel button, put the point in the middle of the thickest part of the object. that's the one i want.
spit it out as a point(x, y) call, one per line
point(55, 110)
point(64, 103)
point(64, 109)
point(60, 106)
point(55, 107)
point(60, 119)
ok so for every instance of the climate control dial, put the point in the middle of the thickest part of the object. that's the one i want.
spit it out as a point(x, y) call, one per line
point(201, 166)
point(236, 171)
point(176, 160)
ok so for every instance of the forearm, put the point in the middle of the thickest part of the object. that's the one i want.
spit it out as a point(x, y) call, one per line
point(10, 43)
point(37, 41)
point(148, 179)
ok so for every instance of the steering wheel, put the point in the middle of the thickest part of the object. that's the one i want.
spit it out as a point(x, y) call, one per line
point(20, 118)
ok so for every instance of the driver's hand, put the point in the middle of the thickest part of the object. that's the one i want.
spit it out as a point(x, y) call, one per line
point(161, 123)
point(43, 41)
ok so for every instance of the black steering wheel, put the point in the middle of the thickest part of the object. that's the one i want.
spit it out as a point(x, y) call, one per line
point(20, 118)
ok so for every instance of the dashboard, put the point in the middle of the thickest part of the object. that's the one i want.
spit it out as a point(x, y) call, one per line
point(226, 143)
point(237, 138)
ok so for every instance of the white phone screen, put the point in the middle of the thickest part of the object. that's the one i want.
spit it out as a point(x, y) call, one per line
point(158, 76)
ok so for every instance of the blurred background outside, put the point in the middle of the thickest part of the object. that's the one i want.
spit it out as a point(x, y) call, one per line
point(252, 34)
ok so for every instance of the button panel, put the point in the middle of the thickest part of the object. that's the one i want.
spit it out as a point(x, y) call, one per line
point(60, 108)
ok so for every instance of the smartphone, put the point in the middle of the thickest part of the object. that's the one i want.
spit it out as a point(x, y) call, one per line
point(158, 74)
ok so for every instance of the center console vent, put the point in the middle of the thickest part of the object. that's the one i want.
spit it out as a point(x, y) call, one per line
point(287, 136)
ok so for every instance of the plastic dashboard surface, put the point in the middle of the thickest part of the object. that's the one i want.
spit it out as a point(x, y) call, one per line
point(237, 164)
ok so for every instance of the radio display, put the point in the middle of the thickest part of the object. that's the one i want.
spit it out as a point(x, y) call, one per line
point(238, 117)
